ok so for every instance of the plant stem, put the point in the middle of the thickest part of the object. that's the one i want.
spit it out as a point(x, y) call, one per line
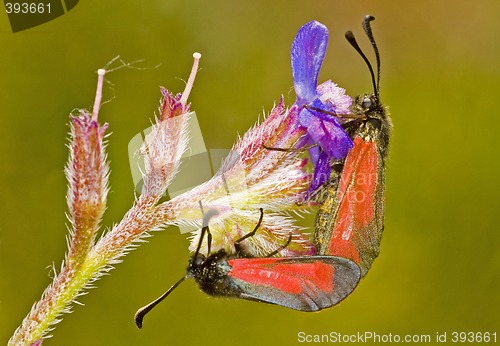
point(69, 284)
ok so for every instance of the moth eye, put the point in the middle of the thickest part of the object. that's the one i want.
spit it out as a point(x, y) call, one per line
point(367, 103)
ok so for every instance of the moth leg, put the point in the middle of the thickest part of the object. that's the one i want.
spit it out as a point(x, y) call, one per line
point(209, 241)
point(281, 247)
point(204, 230)
point(291, 150)
point(237, 244)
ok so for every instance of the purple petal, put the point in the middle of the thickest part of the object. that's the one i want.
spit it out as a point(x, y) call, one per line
point(321, 174)
point(308, 52)
point(314, 153)
point(318, 110)
point(339, 145)
point(305, 117)
point(330, 136)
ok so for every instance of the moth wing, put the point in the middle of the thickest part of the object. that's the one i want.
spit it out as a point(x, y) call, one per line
point(353, 220)
point(302, 283)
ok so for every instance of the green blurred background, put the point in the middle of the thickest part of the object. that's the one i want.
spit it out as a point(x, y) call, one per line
point(440, 260)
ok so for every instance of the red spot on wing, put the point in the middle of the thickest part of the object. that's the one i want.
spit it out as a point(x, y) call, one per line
point(284, 275)
point(365, 185)
point(356, 195)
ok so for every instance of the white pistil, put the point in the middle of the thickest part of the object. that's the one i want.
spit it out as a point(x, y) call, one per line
point(98, 94)
point(190, 81)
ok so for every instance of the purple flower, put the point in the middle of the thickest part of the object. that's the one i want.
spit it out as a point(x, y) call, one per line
point(317, 103)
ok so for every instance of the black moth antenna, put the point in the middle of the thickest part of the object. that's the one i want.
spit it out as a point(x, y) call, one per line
point(352, 40)
point(139, 315)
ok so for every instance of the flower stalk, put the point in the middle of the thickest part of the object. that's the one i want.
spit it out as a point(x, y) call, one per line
point(87, 173)
point(253, 177)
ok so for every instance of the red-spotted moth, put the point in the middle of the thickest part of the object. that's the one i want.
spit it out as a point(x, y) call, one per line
point(350, 221)
point(308, 283)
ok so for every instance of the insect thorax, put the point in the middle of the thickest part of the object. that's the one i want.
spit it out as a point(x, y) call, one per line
point(372, 122)
point(211, 274)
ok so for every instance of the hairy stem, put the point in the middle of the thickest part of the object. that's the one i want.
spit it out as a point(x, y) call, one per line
point(69, 284)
